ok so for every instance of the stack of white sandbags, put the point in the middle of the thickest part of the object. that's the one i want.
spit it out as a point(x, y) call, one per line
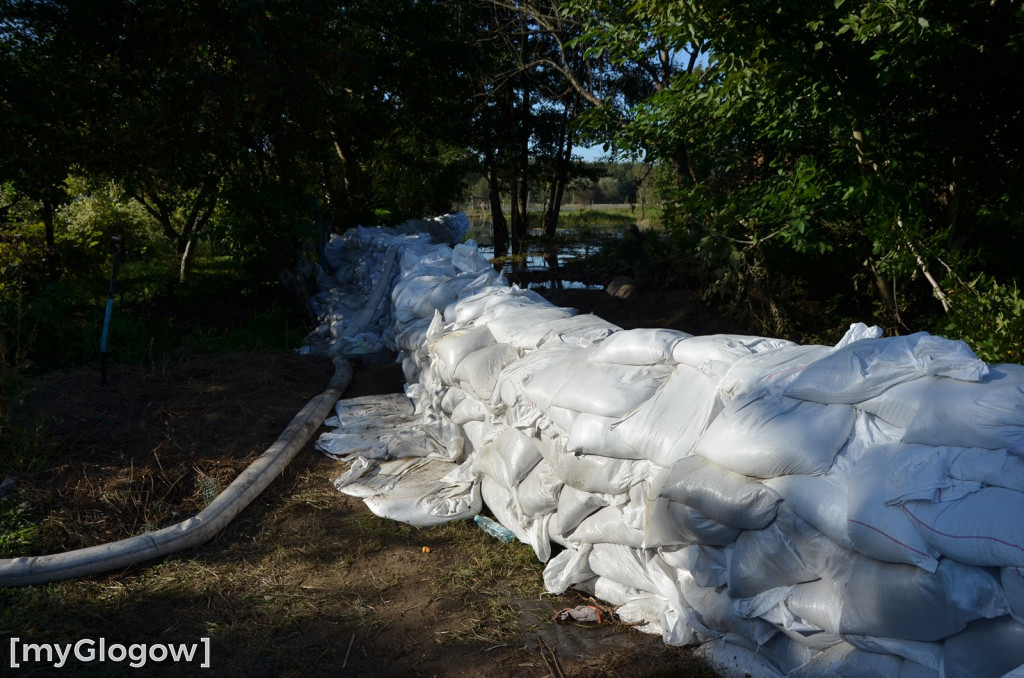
point(355, 283)
point(796, 510)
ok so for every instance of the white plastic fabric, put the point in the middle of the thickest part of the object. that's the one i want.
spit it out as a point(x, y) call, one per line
point(643, 346)
point(765, 436)
point(847, 510)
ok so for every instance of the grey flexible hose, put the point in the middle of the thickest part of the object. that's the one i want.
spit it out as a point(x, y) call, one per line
point(201, 527)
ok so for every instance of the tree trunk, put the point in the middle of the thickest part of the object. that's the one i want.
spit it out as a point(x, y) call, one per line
point(498, 223)
point(882, 285)
point(518, 229)
point(186, 259)
point(51, 242)
point(524, 200)
point(683, 169)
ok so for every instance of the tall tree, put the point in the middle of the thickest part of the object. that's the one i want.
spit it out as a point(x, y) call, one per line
point(855, 132)
point(357, 106)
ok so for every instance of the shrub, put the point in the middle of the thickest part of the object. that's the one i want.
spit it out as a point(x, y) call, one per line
point(989, 317)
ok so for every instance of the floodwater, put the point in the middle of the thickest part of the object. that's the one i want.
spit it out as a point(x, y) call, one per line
point(543, 257)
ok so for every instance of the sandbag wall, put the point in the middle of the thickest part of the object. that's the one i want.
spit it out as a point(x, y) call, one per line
point(795, 510)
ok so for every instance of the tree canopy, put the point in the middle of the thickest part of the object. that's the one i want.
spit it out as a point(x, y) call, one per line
point(864, 156)
point(879, 138)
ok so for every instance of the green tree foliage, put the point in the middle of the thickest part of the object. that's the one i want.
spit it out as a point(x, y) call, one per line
point(348, 107)
point(836, 147)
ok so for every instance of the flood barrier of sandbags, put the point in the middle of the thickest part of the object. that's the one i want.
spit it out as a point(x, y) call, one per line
point(848, 510)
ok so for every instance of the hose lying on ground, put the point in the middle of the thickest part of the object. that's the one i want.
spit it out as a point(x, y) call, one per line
point(201, 527)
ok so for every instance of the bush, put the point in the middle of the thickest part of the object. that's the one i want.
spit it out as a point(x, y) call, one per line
point(989, 317)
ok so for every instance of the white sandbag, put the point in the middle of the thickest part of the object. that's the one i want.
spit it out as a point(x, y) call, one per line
point(764, 436)
point(410, 368)
point(866, 368)
point(606, 526)
point(412, 335)
point(591, 473)
point(726, 348)
point(466, 255)
point(644, 615)
point(527, 318)
point(819, 500)
point(568, 568)
point(486, 461)
point(790, 551)
point(538, 492)
point(681, 626)
point(580, 331)
point(774, 606)
point(628, 566)
point(420, 397)
point(533, 531)
point(732, 658)
point(469, 409)
point(561, 419)
point(876, 527)
point(411, 295)
point(713, 610)
point(989, 413)
point(1012, 579)
point(428, 492)
point(440, 439)
point(366, 477)
point(926, 471)
point(665, 428)
point(916, 653)
point(818, 604)
point(907, 603)
point(541, 535)
point(708, 565)
point(420, 255)
point(511, 382)
point(574, 506)
point(769, 371)
point(502, 503)
point(518, 452)
point(463, 284)
point(368, 411)
point(788, 655)
point(720, 494)
point(577, 384)
point(669, 523)
point(799, 612)
point(603, 588)
point(843, 660)
point(987, 648)
point(508, 459)
point(363, 426)
point(766, 559)
point(452, 398)
point(983, 528)
point(818, 551)
point(612, 391)
point(451, 348)
point(341, 446)
point(898, 405)
point(472, 307)
point(594, 434)
point(643, 346)
point(479, 370)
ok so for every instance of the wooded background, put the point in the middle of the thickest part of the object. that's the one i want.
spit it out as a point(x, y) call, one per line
point(838, 161)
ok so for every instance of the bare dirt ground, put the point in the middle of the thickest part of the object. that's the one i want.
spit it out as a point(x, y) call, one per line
point(306, 581)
